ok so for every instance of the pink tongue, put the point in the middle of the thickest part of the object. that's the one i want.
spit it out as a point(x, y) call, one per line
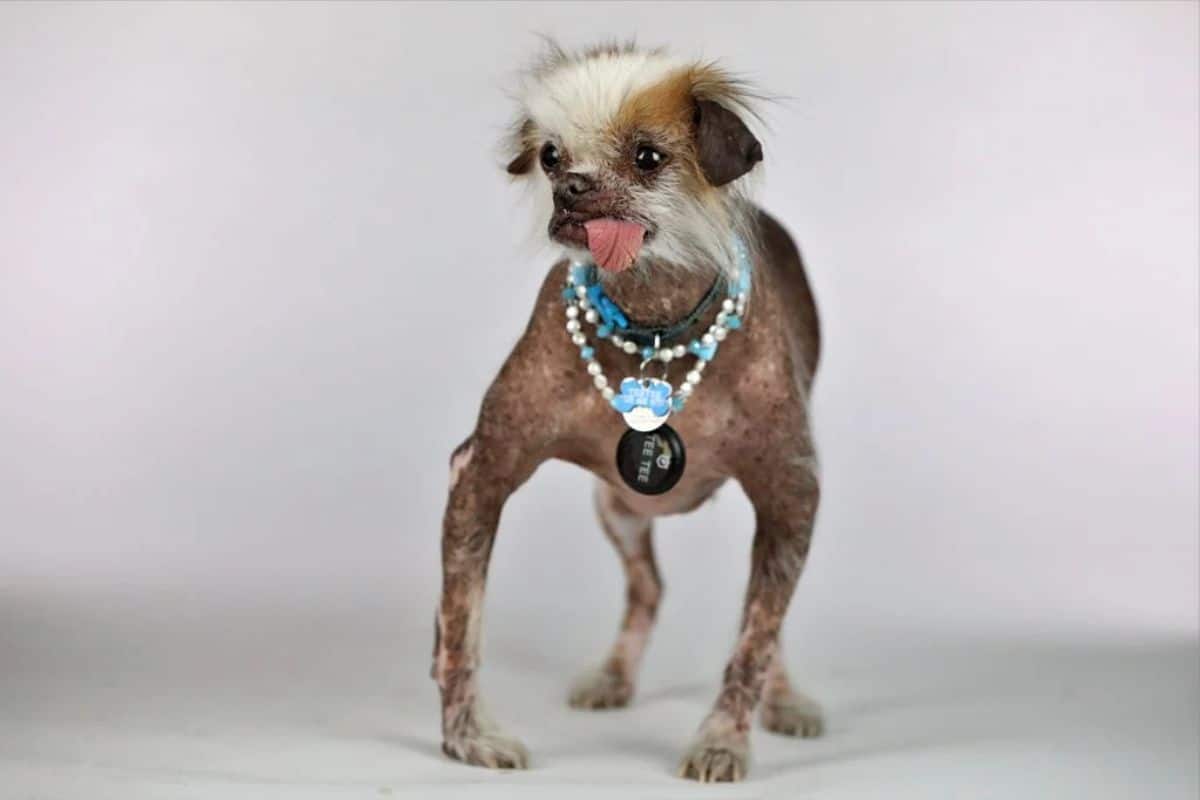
point(615, 244)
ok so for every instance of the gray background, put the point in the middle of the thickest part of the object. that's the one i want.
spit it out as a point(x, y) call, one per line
point(259, 262)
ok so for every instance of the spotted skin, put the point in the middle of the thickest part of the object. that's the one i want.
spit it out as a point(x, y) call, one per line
point(748, 421)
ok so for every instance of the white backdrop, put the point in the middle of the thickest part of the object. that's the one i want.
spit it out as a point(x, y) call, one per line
point(258, 263)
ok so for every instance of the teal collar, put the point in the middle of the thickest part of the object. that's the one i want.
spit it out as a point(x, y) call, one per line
point(617, 321)
point(646, 334)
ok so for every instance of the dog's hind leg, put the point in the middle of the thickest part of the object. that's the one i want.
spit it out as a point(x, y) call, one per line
point(785, 710)
point(611, 684)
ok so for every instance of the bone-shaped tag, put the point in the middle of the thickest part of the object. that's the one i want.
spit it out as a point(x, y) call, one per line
point(652, 393)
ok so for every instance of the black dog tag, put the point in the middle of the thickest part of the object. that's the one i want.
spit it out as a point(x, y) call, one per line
point(651, 462)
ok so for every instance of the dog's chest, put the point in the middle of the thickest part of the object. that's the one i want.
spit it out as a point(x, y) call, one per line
point(708, 435)
point(740, 409)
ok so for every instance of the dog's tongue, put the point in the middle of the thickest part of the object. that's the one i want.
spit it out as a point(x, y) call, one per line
point(614, 243)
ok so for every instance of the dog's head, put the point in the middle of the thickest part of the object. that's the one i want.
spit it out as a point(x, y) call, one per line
point(640, 155)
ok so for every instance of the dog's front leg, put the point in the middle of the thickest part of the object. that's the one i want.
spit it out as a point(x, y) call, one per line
point(784, 493)
point(484, 471)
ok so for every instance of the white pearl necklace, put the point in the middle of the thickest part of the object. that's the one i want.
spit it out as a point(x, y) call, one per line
point(581, 300)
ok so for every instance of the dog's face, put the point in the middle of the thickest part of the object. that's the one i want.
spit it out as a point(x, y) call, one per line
point(636, 154)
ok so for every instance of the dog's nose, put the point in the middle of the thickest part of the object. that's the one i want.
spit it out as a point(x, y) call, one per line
point(573, 187)
point(576, 183)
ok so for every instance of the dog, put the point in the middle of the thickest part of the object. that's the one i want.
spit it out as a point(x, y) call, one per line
point(643, 162)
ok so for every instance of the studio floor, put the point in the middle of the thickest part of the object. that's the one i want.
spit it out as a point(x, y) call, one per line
point(111, 696)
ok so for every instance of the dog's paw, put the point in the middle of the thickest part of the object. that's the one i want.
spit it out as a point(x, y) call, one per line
point(600, 689)
point(714, 765)
point(487, 749)
point(718, 754)
point(792, 714)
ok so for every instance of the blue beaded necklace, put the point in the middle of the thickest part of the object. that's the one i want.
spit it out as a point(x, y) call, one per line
point(646, 402)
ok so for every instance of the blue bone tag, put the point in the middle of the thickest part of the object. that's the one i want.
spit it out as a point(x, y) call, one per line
point(653, 394)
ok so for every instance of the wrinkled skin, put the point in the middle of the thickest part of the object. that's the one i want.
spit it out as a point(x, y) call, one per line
point(747, 421)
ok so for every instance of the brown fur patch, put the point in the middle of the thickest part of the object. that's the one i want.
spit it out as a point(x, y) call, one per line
point(663, 115)
point(664, 109)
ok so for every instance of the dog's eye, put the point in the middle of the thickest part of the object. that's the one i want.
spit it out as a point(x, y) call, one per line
point(648, 159)
point(550, 156)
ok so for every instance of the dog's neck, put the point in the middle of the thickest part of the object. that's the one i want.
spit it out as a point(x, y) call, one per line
point(658, 294)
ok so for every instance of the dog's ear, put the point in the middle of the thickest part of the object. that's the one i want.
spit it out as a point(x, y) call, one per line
point(725, 147)
point(522, 163)
point(521, 142)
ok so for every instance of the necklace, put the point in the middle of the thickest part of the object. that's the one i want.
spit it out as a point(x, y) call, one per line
point(650, 455)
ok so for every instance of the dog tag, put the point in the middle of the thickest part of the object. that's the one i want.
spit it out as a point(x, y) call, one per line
point(651, 462)
point(645, 403)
